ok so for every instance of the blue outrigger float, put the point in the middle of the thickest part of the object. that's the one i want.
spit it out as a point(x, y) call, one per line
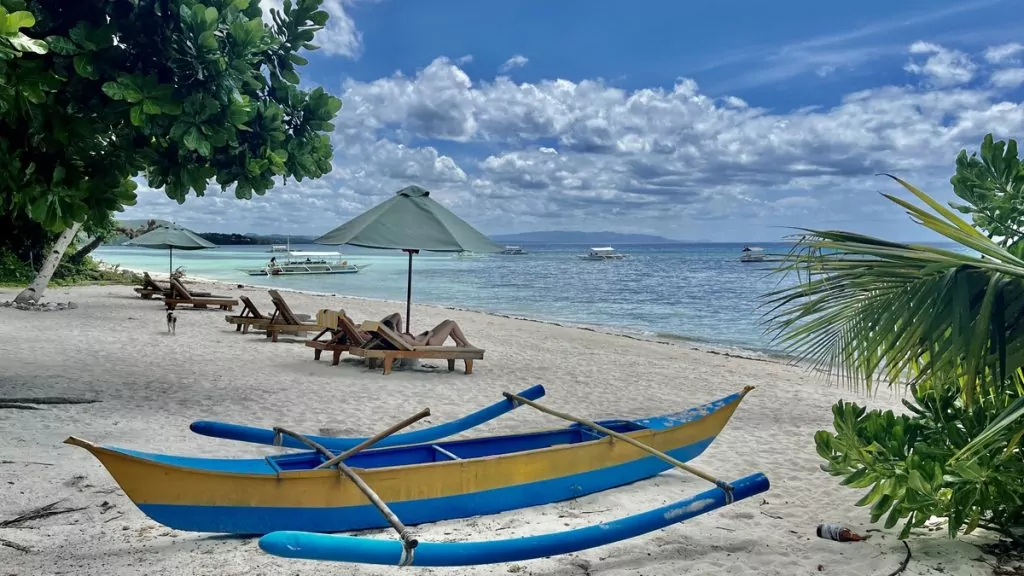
point(291, 498)
point(312, 546)
point(275, 437)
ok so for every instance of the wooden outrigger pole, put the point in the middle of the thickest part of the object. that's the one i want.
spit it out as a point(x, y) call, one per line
point(409, 543)
point(725, 486)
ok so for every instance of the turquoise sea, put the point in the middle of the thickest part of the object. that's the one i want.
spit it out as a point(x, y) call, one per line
point(695, 292)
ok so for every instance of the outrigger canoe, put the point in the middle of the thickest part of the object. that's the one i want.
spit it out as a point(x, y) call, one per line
point(269, 436)
point(419, 483)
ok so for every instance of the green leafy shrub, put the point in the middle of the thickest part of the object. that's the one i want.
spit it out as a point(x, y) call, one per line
point(910, 462)
point(89, 271)
point(13, 270)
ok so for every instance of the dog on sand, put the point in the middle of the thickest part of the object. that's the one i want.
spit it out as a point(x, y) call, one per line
point(172, 322)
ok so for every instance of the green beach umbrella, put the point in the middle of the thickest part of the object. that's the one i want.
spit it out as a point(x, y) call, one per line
point(171, 237)
point(410, 221)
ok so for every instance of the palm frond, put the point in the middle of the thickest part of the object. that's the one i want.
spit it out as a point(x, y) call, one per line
point(867, 310)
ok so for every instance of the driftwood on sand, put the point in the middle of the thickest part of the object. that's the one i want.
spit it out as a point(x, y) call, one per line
point(27, 402)
point(37, 513)
point(15, 545)
point(49, 400)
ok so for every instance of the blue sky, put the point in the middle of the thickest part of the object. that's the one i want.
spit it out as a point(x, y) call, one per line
point(720, 121)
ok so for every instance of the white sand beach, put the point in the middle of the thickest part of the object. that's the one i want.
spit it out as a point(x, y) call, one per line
point(114, 347)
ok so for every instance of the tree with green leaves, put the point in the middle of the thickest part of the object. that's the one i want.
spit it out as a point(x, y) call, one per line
point(946, 323)
point(96, 94)
point(992, 187)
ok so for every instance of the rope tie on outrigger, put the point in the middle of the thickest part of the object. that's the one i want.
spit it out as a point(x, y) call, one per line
point(727, 488)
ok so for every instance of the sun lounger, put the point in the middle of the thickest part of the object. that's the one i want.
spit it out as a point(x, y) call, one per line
point(152, 288)
point(344, 336)
point(250, 317)
point(180, 295)
point(388, 346)
point(284, 320)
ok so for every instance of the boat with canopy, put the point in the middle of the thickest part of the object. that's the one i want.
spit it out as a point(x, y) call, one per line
point(304, 263)
point(603, 253)
point(752, 254)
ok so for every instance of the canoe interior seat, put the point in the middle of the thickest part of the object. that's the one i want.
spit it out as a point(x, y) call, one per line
point(447, 455)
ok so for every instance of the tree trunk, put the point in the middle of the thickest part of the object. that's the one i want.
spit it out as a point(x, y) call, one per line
point(35, 290)
point(79, 256)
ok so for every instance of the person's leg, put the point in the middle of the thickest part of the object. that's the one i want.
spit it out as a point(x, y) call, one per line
point(395, 319)
point(442, 331)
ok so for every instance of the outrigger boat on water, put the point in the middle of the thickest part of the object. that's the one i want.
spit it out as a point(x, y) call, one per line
point(305, 263)
point(293, 497)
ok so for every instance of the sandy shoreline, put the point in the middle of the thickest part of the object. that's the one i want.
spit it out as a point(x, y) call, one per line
point(674, 340)
point(114, 348)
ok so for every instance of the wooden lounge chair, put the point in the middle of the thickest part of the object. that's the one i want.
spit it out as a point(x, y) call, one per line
point(343, 337)
point(180, 295)
point(284, 320)
point(388, 346)
point(250, 316)
point(152, 288)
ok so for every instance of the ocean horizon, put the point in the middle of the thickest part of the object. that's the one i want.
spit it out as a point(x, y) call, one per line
point(698, 293)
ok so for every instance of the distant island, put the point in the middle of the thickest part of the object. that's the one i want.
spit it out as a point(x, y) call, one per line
point(254, 239)
point(545, 237)
point(218, 238)
point(575, 237)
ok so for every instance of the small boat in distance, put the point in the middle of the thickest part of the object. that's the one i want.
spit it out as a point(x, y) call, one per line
point(304, 263)
point(513, 251)
point(278, 248)
point(602, 253)
point(752, 254)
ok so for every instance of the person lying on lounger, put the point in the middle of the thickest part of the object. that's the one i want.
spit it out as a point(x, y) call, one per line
point(436, 336)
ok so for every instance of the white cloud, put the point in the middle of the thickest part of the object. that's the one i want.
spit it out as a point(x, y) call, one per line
point(1008, 78)
point(517, 61)
point(943, 67)
point(734, 102)
point(339, 36)
point(823, 55)
point(464, 59)
point(1004, 53)
point(560, 154)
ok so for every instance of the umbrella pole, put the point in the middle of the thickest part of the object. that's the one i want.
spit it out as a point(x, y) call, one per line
point(170, 264)
point(408, 295)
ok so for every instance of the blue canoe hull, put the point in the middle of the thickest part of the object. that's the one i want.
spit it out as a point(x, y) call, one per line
point(261, 520)
point(390, 552)
point(266, 436)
